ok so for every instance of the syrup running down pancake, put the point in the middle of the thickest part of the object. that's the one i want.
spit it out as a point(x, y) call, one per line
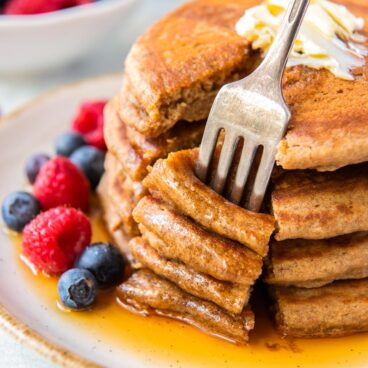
point(147, 293)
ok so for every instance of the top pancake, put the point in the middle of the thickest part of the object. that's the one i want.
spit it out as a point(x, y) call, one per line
point(329, 124)
point(174, 71)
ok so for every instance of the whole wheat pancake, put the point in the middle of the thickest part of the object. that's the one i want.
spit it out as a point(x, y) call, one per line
point(229, 296)
point(337, 309)
point(174, 71)
point(112, 219)
point(314, 263)
point(329, 123)
point(312, 205)
point(175, 236)
point(136, 152)
point(122, 194)
point(174, 180)
point(146, 293)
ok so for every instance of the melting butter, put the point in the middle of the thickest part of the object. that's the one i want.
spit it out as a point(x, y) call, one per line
point(328, 37)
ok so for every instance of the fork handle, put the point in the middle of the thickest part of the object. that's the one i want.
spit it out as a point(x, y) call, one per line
point(274, 62)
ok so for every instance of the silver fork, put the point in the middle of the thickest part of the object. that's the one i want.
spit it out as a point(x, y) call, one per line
point(252, 109)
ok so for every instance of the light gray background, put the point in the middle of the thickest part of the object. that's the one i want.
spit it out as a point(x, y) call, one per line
point(15, 92)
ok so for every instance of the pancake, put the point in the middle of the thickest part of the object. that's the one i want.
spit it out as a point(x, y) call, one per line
point(174, 70)
point(112, 219)
point(146, 293)
point(136, 152)
point(329, 115)
point(337, 309)
point(229, 296)
point(329, 123)
point(174, 180)
point(312, 205)
point(314, 263)
point(175, 236)
point(123, 194)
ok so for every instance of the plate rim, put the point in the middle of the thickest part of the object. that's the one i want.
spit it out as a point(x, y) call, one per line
point(12, 326)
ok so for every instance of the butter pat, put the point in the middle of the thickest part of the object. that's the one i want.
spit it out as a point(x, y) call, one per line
point(328, 37)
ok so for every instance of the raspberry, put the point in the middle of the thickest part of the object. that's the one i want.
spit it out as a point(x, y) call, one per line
point(89, 122)
point(55, 238)
point(26, 7)
point(61, 183)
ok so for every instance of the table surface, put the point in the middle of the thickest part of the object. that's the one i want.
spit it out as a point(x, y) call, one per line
point(15, 92)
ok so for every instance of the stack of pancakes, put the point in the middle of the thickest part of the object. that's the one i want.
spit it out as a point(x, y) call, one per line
point(322, 238)
point(197, 255)
point(202, 251)
point(129, 155)
point(193, 262)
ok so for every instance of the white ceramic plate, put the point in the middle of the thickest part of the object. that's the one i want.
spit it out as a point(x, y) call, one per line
point(28, 303)
point(33, 129)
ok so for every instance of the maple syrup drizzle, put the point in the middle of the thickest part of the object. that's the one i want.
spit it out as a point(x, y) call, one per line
point(157, 339)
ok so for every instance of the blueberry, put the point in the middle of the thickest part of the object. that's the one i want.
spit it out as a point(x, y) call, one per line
point(91, 161)
point(18, 209)
point(34, 164)
point(67, 143)
point(105, 262)
point(77, 288)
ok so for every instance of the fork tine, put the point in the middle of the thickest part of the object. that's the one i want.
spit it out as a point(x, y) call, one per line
point(245, 163)
point(225, 161)
point(206, 150)
point(262, 178)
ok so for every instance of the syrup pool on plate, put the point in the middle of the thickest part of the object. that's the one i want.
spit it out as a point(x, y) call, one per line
point(162, 342)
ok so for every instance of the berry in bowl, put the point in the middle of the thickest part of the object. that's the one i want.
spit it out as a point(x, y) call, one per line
point(40, 35)
point(27, 7)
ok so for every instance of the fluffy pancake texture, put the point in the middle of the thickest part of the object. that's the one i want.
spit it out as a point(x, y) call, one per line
point(314, 205)
point(329, 123)
point(174, 179)
point(181, 238)
point(196, 255)
point(337, 309)
point(229, 296)
point(314, 263)
point(122, 195)
point(176, 68)
point(112, 218)
point(146, 293)
point(135, 152)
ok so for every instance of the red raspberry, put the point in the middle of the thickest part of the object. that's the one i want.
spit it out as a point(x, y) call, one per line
point(26, 7)
point(90, 121)
point(55, 238)
point(61, 183)
point(17, 7)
